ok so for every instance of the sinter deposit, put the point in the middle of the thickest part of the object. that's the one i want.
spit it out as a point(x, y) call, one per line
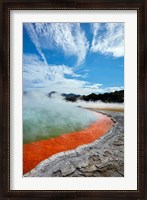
point(103, 157)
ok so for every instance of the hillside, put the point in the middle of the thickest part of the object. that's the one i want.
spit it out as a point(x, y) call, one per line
point(114, 97)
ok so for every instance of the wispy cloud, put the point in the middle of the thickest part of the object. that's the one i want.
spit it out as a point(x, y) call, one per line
point(108, 39)
point(34, 37)
point(37, 74)
point(69, 37)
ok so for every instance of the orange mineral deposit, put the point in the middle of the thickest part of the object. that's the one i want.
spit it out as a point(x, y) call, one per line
point(35, 152)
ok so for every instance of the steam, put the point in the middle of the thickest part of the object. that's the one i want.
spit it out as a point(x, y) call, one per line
point(101, 105)
point(45, 117)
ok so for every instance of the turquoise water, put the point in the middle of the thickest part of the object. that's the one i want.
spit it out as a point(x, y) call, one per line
point(45, 118)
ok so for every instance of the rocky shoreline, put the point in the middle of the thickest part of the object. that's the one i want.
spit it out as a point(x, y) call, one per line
point(102, 158)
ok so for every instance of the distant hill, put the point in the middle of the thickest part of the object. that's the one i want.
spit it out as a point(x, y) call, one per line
point(51, 93)
point(71, 97)
point(115, 97)
point(112, 97)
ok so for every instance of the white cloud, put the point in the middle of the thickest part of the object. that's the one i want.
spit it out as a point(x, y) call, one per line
point(67, 36)
point(37, 71)
point(113, 89)
point(34, 37)
point(108, 39)
point(95, 28)
point(36, 74)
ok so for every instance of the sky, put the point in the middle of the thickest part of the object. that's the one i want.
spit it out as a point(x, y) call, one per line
point(80, 58)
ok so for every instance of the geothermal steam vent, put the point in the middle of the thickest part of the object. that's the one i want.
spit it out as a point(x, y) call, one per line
point(52, 126)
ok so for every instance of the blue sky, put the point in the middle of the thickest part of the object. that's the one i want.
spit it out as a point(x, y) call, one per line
point(80, 58)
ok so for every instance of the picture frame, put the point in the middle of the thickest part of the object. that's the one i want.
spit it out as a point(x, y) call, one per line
point(6, 7)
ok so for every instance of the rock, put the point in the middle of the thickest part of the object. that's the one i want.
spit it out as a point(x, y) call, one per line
point(102, 158)
point(67, 168)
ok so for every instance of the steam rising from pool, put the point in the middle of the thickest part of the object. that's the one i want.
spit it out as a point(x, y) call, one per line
point(45, 117)
point(100, 105)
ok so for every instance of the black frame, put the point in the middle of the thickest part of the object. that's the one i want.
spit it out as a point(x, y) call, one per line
point(141, 7)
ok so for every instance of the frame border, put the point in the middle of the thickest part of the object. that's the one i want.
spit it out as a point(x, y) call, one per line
point(141, 8)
